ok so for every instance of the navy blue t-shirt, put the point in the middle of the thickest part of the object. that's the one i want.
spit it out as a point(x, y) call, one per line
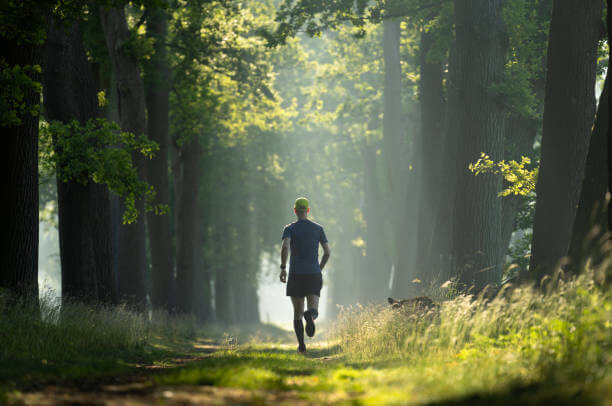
point(305, 238)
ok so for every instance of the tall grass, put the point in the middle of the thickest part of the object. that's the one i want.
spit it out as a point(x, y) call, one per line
point(52, 332)
point(522, 335)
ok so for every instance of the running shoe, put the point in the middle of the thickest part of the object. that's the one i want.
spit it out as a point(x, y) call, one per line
point(310, 326)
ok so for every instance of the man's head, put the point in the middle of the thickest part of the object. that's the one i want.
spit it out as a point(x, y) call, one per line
point(301, 207)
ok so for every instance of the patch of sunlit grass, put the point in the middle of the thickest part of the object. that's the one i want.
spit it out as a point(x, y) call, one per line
point(471, 345)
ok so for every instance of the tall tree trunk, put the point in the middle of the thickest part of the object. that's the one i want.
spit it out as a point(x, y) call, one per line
point(477, 211)
point(248, 249)
point(245, 276)
point(521, 131)
point(569, 108)
point(70, 93)
point(429, 169)
point(392, 117)
point(223, 302)
point(187, 210)
point(374, 278)
point(223, 305)
point(156, 82)
point(394, 150)
point(19, 255)
point(132, 258)
point(590, 224)
point(177, 187)
point(609, 22)
point(441, 258)
point(202, 293)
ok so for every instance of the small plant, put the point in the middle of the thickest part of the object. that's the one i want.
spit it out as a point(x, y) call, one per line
point(520, 179)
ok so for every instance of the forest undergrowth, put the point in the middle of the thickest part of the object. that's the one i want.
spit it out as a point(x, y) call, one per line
point(46, 342)
point(560, 341)
point(522, 346)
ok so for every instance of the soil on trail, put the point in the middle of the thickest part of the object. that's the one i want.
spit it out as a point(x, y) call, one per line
point(144, 393)
point(139, 388)
point(133, 389)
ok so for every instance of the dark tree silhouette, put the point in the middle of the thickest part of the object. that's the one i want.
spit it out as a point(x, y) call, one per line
point(132, 260)
point(186, 227)
point(431, 141)
point(590, 224)
point(157, 79)
point(19, 255)
point(569, 108)
point(477, 121)
point(70, 93)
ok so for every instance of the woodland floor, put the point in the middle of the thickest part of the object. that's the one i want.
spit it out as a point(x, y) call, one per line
point(140, 387)
point(269, 371)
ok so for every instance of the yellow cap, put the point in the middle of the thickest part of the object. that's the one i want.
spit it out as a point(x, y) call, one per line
point(301, 203)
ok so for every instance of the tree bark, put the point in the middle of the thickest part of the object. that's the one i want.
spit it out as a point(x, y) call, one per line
point(248, 248)
point(70, 93)
point(156, 83)
point(479, 128)
point(202, 296)
point(569, 108)
point(441, 258)
point(521, 131)
point(374, 279)
point(132, 258)
point(223, 301)
point(392, 99)
point(430, 167)
point(609, 21)
point(394, 150)
point(19, 255)
point(590, 224)
point(187, 211)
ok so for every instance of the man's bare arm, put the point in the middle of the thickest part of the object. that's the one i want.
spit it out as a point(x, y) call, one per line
point(326, 254)
point(285, 250)
point(284, 256)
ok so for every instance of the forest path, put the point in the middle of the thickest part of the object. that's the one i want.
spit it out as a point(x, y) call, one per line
point(146, 386)
point(267, 372)
point(136, 388)
point(145, 393)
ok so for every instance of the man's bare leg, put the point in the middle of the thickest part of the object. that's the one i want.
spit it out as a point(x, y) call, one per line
point(311, 314)
point(298, 326)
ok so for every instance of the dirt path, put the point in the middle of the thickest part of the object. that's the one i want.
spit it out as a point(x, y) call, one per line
point(138, 389)
point(147, 394)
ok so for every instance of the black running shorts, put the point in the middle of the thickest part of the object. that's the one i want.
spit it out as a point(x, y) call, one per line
point(301, 285)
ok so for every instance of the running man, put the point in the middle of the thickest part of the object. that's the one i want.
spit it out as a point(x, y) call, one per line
point(305, 279)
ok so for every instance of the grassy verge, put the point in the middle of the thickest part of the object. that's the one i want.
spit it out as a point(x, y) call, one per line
point(46, 344)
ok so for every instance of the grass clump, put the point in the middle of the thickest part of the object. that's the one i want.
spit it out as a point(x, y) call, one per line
point(27, 332)
point(45, 341)
point(468, 345)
